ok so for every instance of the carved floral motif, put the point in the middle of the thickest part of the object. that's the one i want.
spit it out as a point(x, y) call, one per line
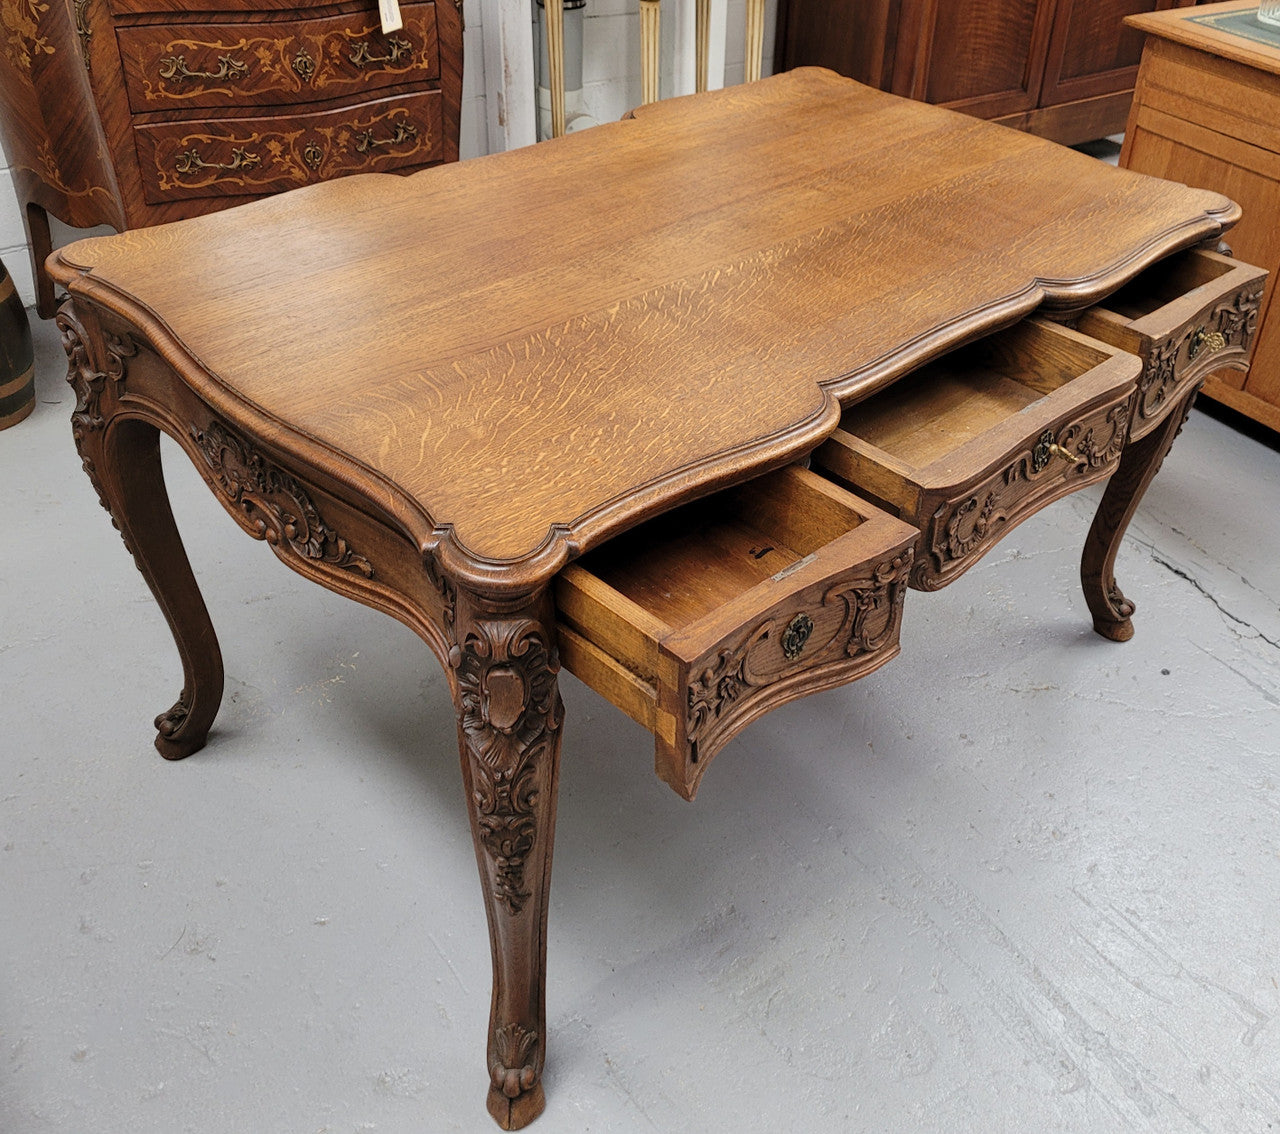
point(91, 387)
point(170, 721)
point(509, 713)
point(445, 588)
point(511, 1060)
point(1235, 320)
point(278, 507)
point(89, 382)
point(871, 610)
point(964, 525)
point(1094, 452)
point(959, 546)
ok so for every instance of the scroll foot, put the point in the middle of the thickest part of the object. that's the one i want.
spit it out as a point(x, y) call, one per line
point(1112, 612)
point(175, 739)
point(121, 454)
point(516, 1113)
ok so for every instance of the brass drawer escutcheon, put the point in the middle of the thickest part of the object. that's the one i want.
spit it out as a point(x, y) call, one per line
point(1211, 341)
point(796, 635)
point(175, 67)
point(401, 51)
point(1046, 449)
point(313, 155)
point(303, 65)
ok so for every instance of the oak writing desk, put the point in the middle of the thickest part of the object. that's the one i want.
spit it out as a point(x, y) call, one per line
point(537, 441)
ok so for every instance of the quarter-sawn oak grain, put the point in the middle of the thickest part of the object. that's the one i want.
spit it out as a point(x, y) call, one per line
point(608, 332)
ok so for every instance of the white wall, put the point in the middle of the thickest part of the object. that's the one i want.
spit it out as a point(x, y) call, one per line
point(611, 86)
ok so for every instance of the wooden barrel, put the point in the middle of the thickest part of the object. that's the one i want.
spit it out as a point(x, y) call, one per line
point(17, 360)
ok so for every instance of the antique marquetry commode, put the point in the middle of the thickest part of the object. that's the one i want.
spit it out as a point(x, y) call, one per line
point(136, 112)
point(541, 442)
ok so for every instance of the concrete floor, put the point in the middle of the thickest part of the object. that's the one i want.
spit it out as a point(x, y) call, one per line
point(1021, 879)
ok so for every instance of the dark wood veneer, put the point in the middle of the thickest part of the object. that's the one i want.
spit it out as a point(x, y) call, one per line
point(136, 112)
point(1062, 69)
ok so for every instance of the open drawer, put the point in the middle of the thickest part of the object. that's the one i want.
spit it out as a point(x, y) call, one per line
point(1185, 316)
point(970, 445)
point(699, 621)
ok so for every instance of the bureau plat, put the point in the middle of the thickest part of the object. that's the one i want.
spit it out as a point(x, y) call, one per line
point(819, 346)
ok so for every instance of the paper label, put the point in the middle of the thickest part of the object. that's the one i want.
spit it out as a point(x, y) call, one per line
point(389, 11)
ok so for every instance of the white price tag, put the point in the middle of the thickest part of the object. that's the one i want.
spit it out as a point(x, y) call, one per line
point(389, 11)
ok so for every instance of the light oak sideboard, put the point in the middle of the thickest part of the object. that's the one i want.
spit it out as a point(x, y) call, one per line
point(134, 112)
point(1207, 112)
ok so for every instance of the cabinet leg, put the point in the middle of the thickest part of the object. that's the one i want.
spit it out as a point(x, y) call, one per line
point(509, 715)
point(122, 457)
point(40, 243)
point(1112, 612)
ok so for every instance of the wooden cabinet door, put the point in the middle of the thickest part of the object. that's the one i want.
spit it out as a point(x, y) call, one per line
point(853, 37)
point(1091, 52)
point(985, 57)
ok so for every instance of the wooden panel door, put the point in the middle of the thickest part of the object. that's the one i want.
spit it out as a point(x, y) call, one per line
point(985, 57)
point(1091, 52)
point(854, 37)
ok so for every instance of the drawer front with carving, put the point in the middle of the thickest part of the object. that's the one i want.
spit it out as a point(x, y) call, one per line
point(1184, 317)
point(969, 446)
point(696, 623)
point(249, 156)
point(266, 64)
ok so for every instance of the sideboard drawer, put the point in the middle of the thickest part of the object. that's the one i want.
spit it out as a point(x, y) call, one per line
point(972, 444)
point(699, 621)
point(1184, 317)
point(247, 156)
point(210, 65)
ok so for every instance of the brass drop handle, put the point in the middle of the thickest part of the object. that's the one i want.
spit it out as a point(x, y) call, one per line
point(175, 67)
point(400, 49)
point(1046, 448)
point(192, 162)
point(403, 131)
point(1212, 341)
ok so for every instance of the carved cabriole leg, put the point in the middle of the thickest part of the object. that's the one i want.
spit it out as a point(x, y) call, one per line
point(122, 457)
point(504, 665)
point(1138, 466)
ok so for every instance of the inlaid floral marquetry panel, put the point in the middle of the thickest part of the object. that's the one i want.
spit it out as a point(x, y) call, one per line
point(263, 155)
point(221, 65)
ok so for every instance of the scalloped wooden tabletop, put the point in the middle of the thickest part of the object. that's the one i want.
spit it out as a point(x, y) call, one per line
point(541, 347)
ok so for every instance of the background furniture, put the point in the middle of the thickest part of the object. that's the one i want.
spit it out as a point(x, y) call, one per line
point(1062, 69)
point(134, 112)
point(1207, 112)
point(649, 55)
point(17, 356)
